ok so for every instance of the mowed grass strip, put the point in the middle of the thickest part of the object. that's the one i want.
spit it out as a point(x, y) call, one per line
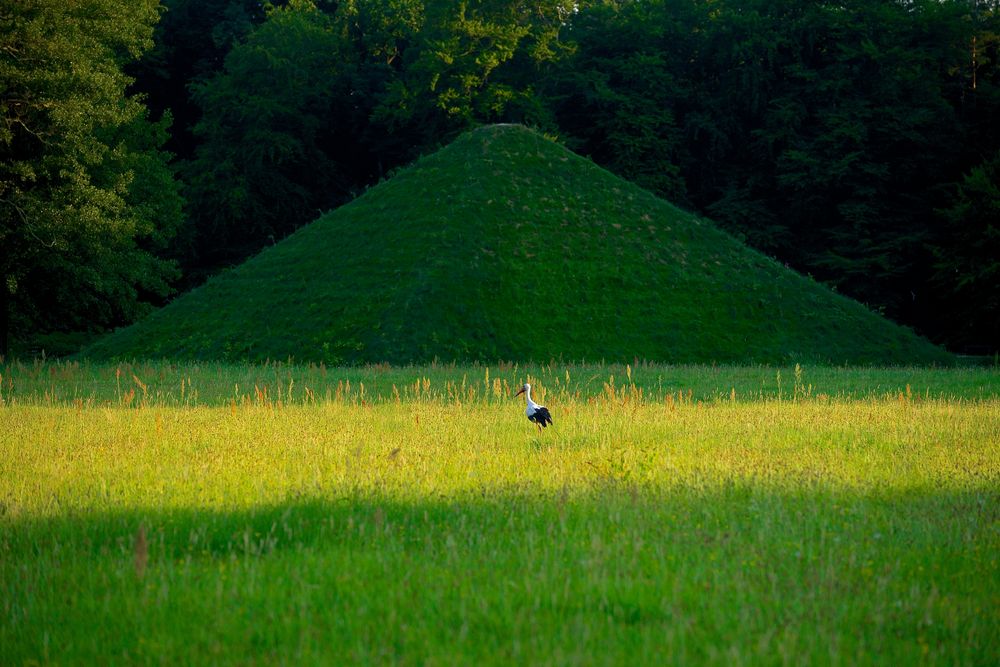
point(433, 532)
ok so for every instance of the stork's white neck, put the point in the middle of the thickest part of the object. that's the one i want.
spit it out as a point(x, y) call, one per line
point(527, 397)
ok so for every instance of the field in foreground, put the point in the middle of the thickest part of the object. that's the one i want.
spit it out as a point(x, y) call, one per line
point(649, 525)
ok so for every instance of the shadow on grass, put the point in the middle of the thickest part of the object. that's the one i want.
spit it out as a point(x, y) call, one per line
point(618, 571)
point(685, 516)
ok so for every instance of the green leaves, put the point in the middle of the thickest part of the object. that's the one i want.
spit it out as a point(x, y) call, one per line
point(968, 259)
point(85, 192)
point(261, 168)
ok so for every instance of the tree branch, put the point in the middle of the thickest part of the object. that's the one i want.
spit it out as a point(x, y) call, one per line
point(27, 223)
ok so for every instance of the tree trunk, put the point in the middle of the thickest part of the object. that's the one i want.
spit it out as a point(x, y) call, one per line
point(4, 320)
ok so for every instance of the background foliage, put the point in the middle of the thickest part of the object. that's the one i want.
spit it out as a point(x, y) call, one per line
point(855, 141)
point(88, 202)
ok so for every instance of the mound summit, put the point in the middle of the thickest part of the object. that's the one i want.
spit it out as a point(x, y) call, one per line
point(505, 245)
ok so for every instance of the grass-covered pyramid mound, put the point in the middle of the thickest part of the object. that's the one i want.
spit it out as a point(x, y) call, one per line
point(505, 245)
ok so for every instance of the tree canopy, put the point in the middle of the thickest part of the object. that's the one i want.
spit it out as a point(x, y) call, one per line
point(88, 203)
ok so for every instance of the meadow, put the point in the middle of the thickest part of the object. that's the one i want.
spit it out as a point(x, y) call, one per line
point(274, 513)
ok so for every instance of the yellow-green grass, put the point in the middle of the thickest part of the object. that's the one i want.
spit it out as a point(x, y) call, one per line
point(640, 529)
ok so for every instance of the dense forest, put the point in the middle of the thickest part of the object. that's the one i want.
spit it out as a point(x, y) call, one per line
point(145, 145)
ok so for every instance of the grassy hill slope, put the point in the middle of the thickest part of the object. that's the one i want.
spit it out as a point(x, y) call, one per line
point(504, 245)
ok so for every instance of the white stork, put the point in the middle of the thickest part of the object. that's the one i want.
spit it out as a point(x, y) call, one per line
point(538, 414)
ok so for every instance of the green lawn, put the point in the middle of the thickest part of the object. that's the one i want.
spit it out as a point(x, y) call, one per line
point(683, 515)
point(505, 245)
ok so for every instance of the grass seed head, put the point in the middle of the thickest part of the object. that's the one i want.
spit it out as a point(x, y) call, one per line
point(141, 552)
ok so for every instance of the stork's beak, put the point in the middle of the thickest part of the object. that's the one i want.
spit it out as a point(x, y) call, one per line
point(519, 392)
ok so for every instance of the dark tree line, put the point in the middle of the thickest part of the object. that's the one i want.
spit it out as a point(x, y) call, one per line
point(834, 136)
point(855, 140)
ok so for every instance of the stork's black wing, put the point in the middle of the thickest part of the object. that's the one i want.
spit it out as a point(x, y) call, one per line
point(541, 416)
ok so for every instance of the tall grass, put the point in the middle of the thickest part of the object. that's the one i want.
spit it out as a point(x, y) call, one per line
point(204, 384)
point(653, 523)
